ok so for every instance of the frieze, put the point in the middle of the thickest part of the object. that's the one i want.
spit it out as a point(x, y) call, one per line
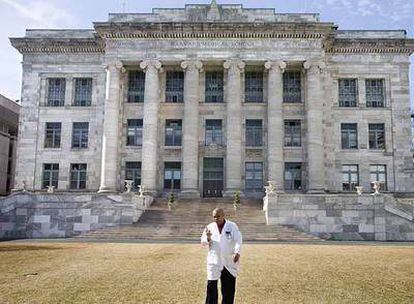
point(282, 44)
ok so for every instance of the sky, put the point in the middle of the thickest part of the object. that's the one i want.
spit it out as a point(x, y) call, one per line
point(18, 15)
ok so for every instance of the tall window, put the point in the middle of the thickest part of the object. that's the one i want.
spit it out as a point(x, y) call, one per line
point(78, 176)
point(350, 177)
point(214, 132)
point(56, 92)
point(254, 176)
point(253, 86)
point(375, 93)
point(254, 133)
point(173, 132)
point(291, 86)
point(378, 173)
point(347, 92)
point(53, 134)
point(83, 92)
point(292, 133)
point(174, 90)
point(134, 132)
point(80, 135)
point(136, 86)
point(349, 136)
point(214, 86)
point(133, 172)
point(376, 136)
point(293, 176)
point(50, 175)
point(172, 175)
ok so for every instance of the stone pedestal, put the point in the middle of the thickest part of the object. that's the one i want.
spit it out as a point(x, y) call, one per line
point(190, 129)
point(110, 140)
point(149, 162)
point(234, 128)
point(275, 124)
point(314, 117)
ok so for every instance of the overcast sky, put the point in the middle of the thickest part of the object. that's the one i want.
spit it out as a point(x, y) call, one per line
point(18, 15)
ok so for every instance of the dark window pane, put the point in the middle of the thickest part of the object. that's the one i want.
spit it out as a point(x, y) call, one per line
point(134, 132)
point(254, 133)
point(253, 86)
point(53, 135)
point(173, 132)
point(293, 176)
point(292, 133)
point(254, 176)
point(78, 176)
point(214, 132)
point(347, 92)
point(136, 86)
point(172, 175)
point(291, 86)
point(83, 92)
point(350, 177)
point(375, 93)
point(349, 136)
point(174, 90)
point(214, 86)
point(50, 175)
point(80, 135)
point(56, 92)
point(376, 136)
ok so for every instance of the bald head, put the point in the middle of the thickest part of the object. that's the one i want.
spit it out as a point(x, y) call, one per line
point(218, 215)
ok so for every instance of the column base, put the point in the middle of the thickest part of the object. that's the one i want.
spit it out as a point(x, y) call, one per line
point(107, 190)
point(189, 193)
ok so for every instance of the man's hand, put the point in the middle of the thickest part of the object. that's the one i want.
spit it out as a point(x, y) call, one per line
point(208, 234)
point(236, 257)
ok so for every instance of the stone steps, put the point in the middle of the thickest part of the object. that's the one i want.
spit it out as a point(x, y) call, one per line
point(189, 218)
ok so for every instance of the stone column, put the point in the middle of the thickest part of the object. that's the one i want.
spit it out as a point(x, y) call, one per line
point(190, 129)
point(110, 140)
point(149, 163)
point(234, 127)
point(314, 117)
point(275, 123)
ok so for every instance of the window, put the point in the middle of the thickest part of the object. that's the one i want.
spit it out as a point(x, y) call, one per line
point(174, 90)
point(375, 93)
point(376, 136)
point(293, 176)
point(173, 132)
point(53, 133)
point(133, 172)
point(78, 176)
point(291, 86)
point(80, 135)
point(254, 133)
point(378, 173)
point(172, 175)
point(347, 92)
point(56, 92)
point(253, 86)
point(83, 92)
point(50, 175)
point(214, 133)
point(350, 177)
point(136, 86)
point(134, 132)
point(254, 176)
point(349, 136)
point(292, 133)
point(214, 86)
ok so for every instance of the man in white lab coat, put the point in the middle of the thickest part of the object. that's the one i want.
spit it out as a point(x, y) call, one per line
point(224, 240)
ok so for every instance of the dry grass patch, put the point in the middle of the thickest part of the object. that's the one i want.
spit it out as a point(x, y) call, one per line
point(175, 273)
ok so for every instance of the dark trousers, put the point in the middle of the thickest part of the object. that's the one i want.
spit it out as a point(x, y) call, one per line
point(228, 288)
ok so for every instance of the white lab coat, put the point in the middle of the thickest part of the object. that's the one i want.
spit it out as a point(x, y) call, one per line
point(222, 249)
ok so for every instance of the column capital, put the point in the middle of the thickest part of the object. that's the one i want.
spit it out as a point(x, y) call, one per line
point(275, 65)
point(192, 64)
point(314, 66)
point(150, 64)
point(115, 65)
point(234, 65)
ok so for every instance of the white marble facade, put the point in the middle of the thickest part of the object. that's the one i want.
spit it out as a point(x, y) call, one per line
point(231, 40)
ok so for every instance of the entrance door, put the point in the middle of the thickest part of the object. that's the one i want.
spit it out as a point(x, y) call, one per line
point(213, 177)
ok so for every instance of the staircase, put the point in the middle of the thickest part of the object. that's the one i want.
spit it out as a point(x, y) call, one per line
point(189, 218)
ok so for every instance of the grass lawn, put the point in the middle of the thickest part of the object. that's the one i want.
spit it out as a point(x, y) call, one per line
point(175, 273)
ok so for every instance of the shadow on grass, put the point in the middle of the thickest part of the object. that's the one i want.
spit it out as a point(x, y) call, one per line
point(5, 248)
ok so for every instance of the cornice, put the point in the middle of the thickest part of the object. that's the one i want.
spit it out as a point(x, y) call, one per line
point(56, 45)
point(374, 46)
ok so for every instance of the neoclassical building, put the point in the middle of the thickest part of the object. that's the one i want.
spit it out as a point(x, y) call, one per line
point(211, 99)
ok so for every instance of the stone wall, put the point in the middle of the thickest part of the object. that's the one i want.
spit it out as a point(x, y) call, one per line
point(344, 216)
point(28, 215)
